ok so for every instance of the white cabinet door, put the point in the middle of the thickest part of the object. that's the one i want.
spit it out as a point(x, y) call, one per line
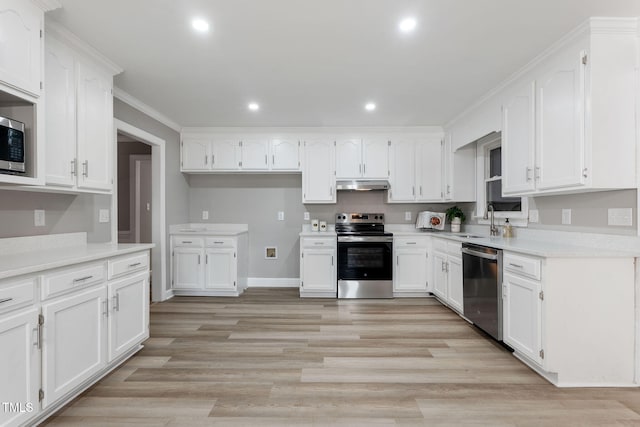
point(522, 310)
point(129, 321)
point(410, 270)
point(285, 154)
point(429, 174)
point(560, 124)
point(454, 284)
point(95, 129)
point(195, 154)
point(60, 115)
point(375, 158)
point(348, 158)
point(20, 45)
point(225, 154)
point(255, 154)
point(187, 268)
point(318, 271)
point(220, 269)
point(318, 172)
point(19, 366)
point(74, 342)
point(403, 166)
point(439, 268)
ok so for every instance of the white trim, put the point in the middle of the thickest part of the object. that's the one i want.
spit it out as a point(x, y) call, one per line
point(145, 108)
point(58, 31)
point(48, 5)
point(273, 282)
point(404, 130)
point(159, 281)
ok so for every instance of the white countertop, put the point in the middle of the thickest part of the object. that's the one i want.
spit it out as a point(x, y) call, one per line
point(207, 229)
point(34, 261)
point(318, 234)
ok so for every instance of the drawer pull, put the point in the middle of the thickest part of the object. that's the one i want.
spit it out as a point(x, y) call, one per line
point(318, 243)
point(218, 243)
point(134, 264)
point(5, 300)
point(186, 241)
point(516, 265)
point(411, 243)
point(82, 279)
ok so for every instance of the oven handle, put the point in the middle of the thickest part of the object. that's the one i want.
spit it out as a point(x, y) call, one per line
point(492, 257)
point(366, 239)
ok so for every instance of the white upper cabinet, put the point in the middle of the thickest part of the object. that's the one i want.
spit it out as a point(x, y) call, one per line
point(285, 154)
point(402, 166)
point(225, 154)
point(255, 154)
point(430, 171)
point(318, 172)
point(362, 158)
point(195, 154)
point(569, 120)
point(21, 24)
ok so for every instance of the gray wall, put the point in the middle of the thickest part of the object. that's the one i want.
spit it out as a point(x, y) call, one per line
point(64, 213)
point(126, 149)
point(256, 199)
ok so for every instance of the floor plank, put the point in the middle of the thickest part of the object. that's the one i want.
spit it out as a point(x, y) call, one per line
point(269, 358)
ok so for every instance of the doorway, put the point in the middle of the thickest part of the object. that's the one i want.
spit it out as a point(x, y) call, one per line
point(139, 200)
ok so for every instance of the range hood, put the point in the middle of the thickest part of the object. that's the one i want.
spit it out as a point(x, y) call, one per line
point(362, 185)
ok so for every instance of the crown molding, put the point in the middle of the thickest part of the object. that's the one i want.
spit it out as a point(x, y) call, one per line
point(48, 5)
point(146, 109)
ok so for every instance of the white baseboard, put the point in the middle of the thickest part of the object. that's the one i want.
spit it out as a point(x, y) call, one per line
point(273, 282)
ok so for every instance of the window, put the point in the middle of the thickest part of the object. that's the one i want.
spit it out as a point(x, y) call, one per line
point(489, 164)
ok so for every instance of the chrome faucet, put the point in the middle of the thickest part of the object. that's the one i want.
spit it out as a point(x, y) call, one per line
point(493, 230)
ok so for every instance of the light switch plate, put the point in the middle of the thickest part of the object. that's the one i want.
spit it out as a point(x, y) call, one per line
point(38, 218)
point(103, 215)
point(620, 217)
point(280, 216)
point(533, 215)
point(407, 216)
point(307, 216)
point(205, 214)
point(566, 216)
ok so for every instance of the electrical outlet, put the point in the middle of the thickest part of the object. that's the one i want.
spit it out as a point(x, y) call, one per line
point(621, 217)
point(38, 218)
point(407, 216)
point(280, 216)
point(205, 214)
point(103, 215)
point(566, 216)
point(307, 216)
point(533, 215)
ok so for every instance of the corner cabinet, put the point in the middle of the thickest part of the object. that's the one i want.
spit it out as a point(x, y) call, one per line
point(412, 269)
point(319, 171)
point(79, 116)
point(318, 271)
point(559, 131)
point(209, 264)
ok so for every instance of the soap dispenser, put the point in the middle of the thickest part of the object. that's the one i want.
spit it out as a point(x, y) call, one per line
point(507, 230)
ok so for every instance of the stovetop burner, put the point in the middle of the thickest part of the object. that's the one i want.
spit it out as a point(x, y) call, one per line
point(360, 224)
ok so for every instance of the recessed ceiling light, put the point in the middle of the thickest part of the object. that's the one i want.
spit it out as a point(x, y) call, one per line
point(200, 25)
point(370, 106)
point(253, 106)
point(407, 25)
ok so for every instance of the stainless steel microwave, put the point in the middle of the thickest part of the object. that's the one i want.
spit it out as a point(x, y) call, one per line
point(12, 158)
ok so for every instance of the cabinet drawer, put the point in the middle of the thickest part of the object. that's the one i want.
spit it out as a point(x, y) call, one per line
point(221, 242)
point(69, 279)
point(193, 242)
point(127, 264)
point(410, 242)
point(454, 248)
point(440, 245)
point(328, 242)
point(16, 294)
point(524, 266)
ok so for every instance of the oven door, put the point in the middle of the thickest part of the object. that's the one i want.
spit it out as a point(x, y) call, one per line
point(365, 267)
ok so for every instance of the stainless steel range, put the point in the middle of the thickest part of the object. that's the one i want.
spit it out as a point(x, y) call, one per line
point(365, 256)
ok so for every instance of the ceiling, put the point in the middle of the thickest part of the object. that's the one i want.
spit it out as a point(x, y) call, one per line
point(317, 62)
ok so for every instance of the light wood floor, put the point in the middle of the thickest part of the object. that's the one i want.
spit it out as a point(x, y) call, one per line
point(270, 358)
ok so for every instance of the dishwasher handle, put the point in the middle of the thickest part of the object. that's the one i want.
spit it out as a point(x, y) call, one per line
point(493, 257)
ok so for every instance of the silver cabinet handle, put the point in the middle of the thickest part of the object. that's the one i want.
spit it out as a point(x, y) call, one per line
point(134, 264)
point(397, 259)
point(364, 169)
point(332, 260)
point(516, 265)
point(331, 190)
point(360, 168)
point(206, 159)
point(218, 243)
point(36, 332)
point(528, 173)
point(82, 279)
point(198, 259)
point(116, 302)
point(421, 190)
point(213, 159)
point(206, 259)
point(73, 167)
point(85, 168)
point(273, 159)
point(105, 308)
point(186, 241)
point(318, 243)
point(413, 190)
point(5, 300)
point(584, 172)
point(448, 189)
point(412, 243)
point(537, 173)
point(266, 162)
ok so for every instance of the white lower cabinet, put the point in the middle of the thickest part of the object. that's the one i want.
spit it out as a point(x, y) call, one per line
point(74, 342)
point(209, 264)
point(411, 270)
point(318, 274)
point(522, 310)
point(447, 273)
point(19, 366)
point(129, 316)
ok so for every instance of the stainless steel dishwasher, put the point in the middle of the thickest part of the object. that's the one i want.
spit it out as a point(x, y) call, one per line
point(482, 287)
